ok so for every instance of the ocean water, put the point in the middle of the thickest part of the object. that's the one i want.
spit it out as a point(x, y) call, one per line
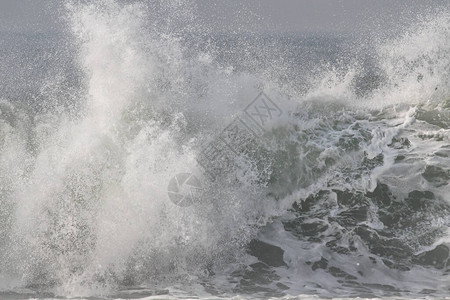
point(145, 158)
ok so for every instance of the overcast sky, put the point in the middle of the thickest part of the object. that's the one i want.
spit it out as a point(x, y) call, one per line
point(253, 15)
point(320, 15)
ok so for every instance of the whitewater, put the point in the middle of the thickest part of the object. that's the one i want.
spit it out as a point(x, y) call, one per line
point(337, 187)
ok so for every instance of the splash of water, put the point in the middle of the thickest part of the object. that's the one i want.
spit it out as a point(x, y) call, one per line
point(84, 203)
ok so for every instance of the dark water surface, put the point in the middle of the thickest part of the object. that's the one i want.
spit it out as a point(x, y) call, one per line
point(333, 182)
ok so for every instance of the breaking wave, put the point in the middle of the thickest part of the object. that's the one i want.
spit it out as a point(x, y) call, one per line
point(344, 194)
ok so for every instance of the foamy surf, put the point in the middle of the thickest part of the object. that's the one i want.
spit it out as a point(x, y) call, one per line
point(335, 182)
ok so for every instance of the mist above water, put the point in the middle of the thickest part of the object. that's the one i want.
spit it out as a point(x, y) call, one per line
point(134, 93)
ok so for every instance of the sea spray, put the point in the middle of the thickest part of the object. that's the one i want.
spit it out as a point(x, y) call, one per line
point(349, 194)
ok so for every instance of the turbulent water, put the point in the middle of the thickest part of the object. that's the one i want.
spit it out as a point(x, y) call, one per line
point(344, 193)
